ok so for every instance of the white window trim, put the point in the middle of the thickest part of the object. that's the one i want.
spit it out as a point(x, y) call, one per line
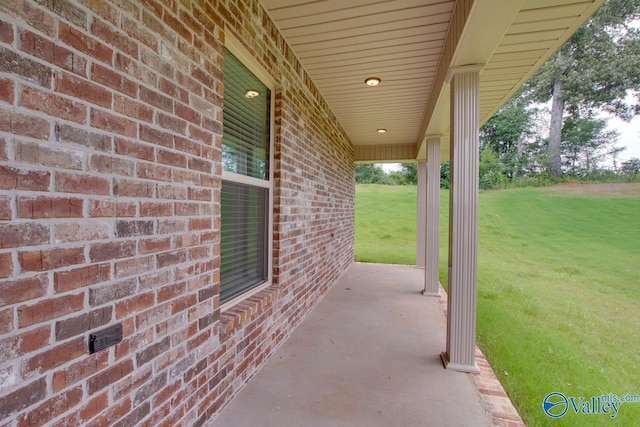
point(249, 61)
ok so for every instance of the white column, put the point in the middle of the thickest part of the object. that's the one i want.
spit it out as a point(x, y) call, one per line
point(432, 223)
point(421, 217)
point(463, 221)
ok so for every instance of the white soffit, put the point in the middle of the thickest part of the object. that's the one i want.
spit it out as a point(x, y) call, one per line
point(342, 42)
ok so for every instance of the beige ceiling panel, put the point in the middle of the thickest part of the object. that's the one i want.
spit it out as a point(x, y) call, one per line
point(422, 48)
point(368, 14)
point(547, 25)
point(541, 14)
point(539, 4)
point(341, 42)
point(532, 37)
point(343, 31)
point(523, 47)
point(426, 32)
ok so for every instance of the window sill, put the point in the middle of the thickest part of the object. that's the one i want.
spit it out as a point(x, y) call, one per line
point(246, 310)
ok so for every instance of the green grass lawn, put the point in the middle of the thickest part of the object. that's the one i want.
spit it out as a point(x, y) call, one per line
point(558, 289)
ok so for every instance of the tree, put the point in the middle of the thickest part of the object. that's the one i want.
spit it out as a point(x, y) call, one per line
point(410, 172)
point(594, 69)
point(370, 174)
point(585, 143)
point(631, 167)
point(505, 133)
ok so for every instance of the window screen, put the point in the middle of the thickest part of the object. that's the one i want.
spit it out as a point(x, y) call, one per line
point(245, 207)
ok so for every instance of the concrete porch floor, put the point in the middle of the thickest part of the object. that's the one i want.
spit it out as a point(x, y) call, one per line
point(367, 355)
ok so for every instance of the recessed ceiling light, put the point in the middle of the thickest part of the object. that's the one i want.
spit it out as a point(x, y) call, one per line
point(372, 81)
point(251, 93)
point(382, 131)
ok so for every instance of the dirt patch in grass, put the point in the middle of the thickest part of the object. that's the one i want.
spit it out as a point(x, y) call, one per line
point(631, 189)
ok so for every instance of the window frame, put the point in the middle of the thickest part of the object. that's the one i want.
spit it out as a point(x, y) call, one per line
point(234, 46)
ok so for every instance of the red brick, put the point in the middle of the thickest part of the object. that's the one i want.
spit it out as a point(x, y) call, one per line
point(135, 304)
point(48, 207)
point(187, 113)
point(54, 357)
point(153, 351)
point(197, 134)
point(7, 91)
point(6, 32)
point(23, 398)
point(94, 406)
point(109, 376)
point(6, 320)
point(200, 224)
point(42, 154)
point(173, 90)
point(135, 69)
point(64, 281)
point(20, 290)
point(85, 44)
point(155, 209)
point(20, 234)
point(112, 123)
point(111, 165)
point(49, 309)
point(47, 50)
point(176, 25)
point(97, 141)
point(82, 323)
point(172, 123)
point(4, 150)
point(20, 179)
point(114, 38)
point(110, 78)
point(25, 342)
point(155, 172)
point(133, 109)
point(53, 105)
point(135, 149)
point(38, 18)
point(133, 188)
point(51, 408)
point(154, 245)
point(112, 250)
point(112, 208)
point(82, 89)
point(171, 258)
point(172, 158)
point(80, 370)
point(6, 265)
point(82, 183)
point(23, 124)
point(156, 99)
point(112, 292)
point(171, 291)
point(50, 259)
point(67, 10)
point(14, 63)
point(155, 136)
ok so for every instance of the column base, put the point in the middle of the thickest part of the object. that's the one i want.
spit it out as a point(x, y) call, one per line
point(470, 369)
point(429, 294)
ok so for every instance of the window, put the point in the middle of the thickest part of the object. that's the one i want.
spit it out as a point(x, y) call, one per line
point(246, 181)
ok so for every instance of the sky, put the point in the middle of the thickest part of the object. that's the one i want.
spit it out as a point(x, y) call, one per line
point(629, 136)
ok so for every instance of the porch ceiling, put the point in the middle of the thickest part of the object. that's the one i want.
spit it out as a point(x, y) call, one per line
point(411, 45)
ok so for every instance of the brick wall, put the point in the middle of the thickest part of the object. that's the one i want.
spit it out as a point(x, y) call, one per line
point(110, 146)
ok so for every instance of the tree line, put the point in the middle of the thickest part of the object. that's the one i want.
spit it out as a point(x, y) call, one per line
point(555, 127)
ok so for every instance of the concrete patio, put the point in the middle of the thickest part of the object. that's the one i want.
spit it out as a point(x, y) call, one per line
point(368, 355)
